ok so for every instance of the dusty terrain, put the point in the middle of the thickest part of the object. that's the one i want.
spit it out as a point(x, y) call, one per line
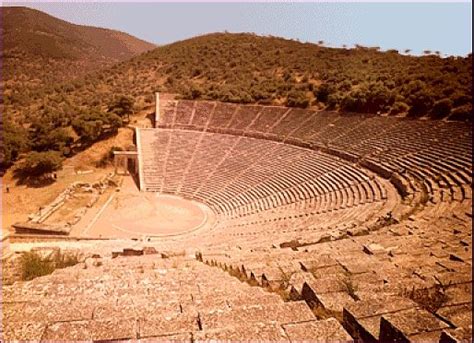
point(23, 200)
point(130, 213)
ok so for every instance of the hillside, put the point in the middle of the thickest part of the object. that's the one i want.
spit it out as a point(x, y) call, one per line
point(245, 68)
point(40, 50)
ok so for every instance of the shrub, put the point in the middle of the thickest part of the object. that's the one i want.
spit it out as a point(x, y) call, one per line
point(193, 92)
point(297, 99)
point(55, 139)
point(14, 142)
point(89, 130)
point(463, 113)
point(149, 99)
point(322, 93)
point(460, 99)
point(430, 299)
point(122, 105)
point(419, 98)
point(33, 265)
point(91, 124)
point(441, 108)
point(37, 164)
point(107, 157)
point(333, 100)
point(399, 107)
point(369, 98)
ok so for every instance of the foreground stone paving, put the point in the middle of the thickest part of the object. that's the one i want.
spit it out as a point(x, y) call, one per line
point(404, 282)
point(358, 229)
point(408, 281)
point(155, 299)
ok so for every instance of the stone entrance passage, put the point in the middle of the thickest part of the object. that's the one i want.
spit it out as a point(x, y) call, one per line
point(126, 162)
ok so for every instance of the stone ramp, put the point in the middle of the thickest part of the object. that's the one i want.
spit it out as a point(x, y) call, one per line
point(153, 298)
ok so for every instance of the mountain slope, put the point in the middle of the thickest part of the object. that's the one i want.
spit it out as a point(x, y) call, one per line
point(39, 49)
point(246, 68)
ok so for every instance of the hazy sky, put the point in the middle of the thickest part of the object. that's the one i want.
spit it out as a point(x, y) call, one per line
point(418, 26)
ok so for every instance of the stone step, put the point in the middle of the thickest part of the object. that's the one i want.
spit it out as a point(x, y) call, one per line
point(139, 297)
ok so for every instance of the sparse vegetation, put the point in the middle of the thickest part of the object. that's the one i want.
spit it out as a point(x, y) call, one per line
point(122, 105)
point(383, 221)
point(350, 287)
point(38, 164)
point(41, 56)
point(430, 299)
point(239, 68)
point(34, 265)
point(246, 68)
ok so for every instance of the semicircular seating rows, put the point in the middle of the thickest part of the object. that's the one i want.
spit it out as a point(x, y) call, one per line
point(258, 166)
point(251, 183)
point(347, 227)
point(326, 185)
point(418, 154)
point(278, 174)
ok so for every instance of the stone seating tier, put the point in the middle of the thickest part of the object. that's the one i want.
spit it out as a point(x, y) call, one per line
point(150, 298)
point(238, 175)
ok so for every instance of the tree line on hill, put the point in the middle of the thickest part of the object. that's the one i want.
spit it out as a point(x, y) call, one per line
point(239, 68)
point(56, 135)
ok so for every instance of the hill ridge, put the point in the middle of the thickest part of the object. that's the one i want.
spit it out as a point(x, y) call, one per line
point(40, 49)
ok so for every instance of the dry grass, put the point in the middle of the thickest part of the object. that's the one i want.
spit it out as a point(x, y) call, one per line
point(94, 153)
point(430, 299)
point(321, 313)
point(350, 287)
point(34, 265)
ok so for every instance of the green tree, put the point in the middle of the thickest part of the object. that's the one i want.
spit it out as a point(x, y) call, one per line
point(369, 98)
point(91, 124)
point(14, 142)
point(419, 97)
point(322, 92)
point(122, 106)
point(89, 130)
point(45, 136)
point(37, 164)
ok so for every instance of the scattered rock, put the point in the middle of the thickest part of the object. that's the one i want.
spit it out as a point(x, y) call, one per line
point(357, 231)
point(149, 251)
point(373, 248)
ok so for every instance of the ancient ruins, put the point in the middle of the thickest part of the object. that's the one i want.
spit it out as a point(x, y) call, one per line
point(262, 223)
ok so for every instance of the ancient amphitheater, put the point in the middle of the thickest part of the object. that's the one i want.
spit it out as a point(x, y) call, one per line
point(309, 226)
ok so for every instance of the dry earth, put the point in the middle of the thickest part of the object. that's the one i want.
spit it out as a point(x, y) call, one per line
point(23, 200)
